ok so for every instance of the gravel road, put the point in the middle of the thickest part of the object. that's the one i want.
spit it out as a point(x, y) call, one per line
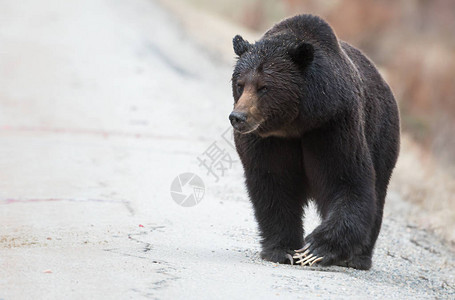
point(102, 105)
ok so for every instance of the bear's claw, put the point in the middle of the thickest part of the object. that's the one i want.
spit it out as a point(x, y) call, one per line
point(304, 248)
point(291, 259)
point(306, 258)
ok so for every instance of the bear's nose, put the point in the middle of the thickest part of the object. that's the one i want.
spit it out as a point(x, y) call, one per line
point(237, 118)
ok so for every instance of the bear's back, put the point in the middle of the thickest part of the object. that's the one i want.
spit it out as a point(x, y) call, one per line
point(378, 100)
point(308, 28)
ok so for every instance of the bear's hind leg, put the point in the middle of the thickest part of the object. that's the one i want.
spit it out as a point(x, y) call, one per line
point(364, 261)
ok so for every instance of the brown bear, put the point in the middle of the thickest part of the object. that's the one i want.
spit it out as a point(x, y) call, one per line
point(314, 120)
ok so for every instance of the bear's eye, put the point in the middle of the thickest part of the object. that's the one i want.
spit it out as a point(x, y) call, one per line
point(263, 89)
point(239, 88)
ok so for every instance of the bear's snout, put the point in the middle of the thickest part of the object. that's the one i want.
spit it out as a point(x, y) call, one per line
point(238, 120)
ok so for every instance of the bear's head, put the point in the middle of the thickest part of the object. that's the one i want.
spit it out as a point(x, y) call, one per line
point(267, 85)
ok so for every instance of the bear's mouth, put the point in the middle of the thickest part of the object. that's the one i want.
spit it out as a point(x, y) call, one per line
point(250, 130)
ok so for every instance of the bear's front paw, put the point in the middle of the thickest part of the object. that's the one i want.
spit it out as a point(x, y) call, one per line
point(278, 256)
point(323, 248)
point(319, 249)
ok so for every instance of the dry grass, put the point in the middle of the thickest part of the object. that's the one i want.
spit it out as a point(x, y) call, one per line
point(419, 179)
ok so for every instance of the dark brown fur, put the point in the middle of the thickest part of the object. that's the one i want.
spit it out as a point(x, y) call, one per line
point(314, 121)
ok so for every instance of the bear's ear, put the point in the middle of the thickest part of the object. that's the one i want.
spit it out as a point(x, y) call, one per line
point(302, 54)
point(240, 45)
